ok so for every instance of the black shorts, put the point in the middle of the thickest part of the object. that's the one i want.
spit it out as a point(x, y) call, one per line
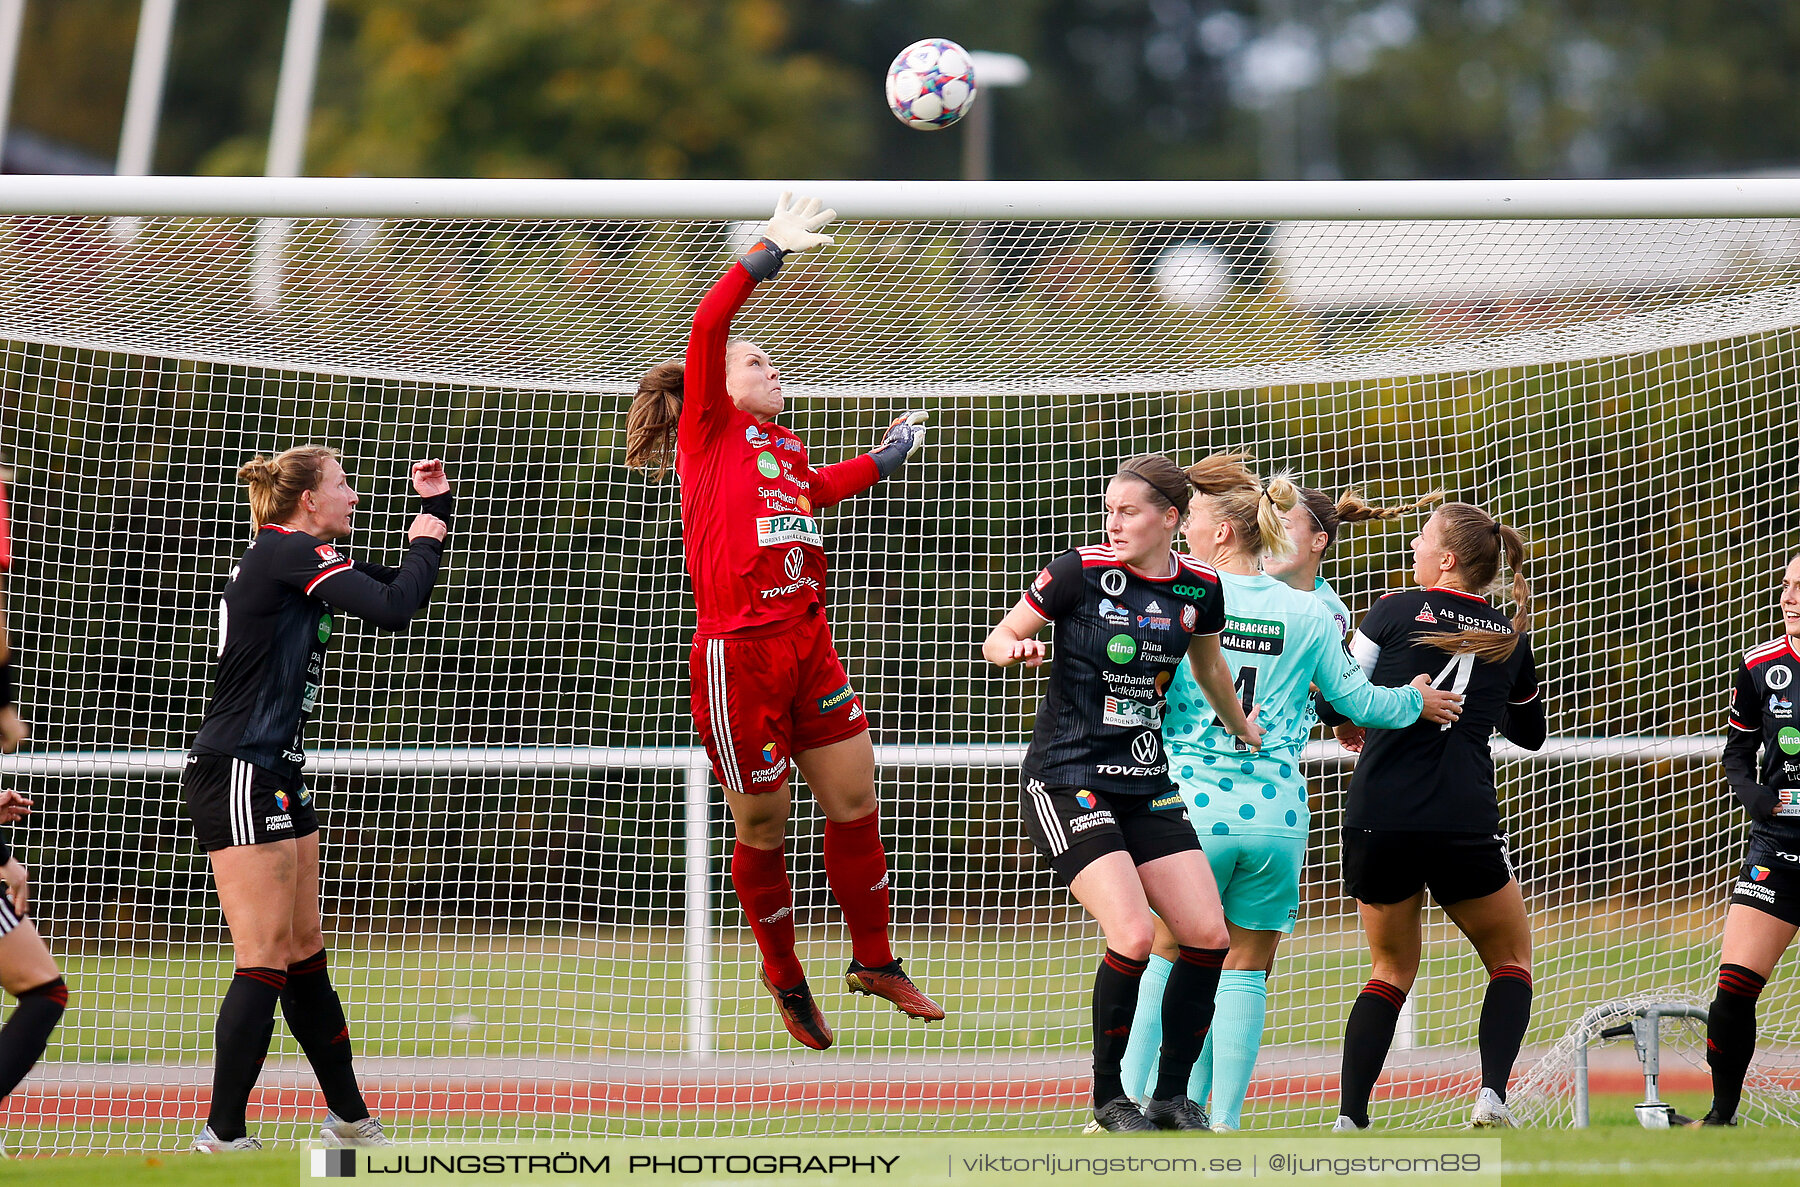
point(1770, 882)
point(232, 802)
point(1390, 867)
point(1073, 827)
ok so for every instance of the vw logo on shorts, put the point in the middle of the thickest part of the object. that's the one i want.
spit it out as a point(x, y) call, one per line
point(1143, 748)
point(1780, 676)
point(795, 559)
point(1113, 581)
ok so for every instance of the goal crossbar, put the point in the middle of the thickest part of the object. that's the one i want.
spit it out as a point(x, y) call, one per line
point(971, 201)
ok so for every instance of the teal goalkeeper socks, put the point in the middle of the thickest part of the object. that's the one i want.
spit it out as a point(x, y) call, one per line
point(1139, 1068)
point(1234, 1042)
point(1200, 1080)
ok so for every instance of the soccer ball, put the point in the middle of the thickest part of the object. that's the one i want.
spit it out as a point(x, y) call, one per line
point(931, 84)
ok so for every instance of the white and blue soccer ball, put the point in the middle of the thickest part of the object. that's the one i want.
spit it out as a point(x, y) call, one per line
point(931, 84)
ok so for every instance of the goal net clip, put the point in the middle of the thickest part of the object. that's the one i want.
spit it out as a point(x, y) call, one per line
point(1645, 1031)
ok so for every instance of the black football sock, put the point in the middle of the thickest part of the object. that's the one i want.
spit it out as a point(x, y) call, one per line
point(315, 1015)
point(1187, 1015)
point(1505, 1013)
point(240, 1044)
point(1731, 1035)
point(23, 1038)
point(1367, 1036)
point(1115, 1001)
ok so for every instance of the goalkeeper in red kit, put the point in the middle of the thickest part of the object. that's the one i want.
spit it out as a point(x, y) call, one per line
point(769, 693)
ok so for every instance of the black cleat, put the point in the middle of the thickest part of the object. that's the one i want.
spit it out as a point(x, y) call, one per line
point(1119, 1115)
point(1178, 1112)
point(1711, 1119)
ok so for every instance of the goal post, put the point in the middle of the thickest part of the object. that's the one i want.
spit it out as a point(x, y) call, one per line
point(520, 833)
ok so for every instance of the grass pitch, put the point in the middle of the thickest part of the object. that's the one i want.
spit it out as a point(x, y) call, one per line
point(1615, 1151)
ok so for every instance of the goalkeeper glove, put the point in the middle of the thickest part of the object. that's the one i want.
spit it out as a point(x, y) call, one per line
point(903, 438)
point(792, 229)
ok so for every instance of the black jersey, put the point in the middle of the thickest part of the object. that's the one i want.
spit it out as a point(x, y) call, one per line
point(1430, 777)
point(1120, 636)
point(1762, 715)
point(275, 622)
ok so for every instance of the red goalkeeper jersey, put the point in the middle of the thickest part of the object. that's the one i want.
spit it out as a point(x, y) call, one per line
point(749, 496)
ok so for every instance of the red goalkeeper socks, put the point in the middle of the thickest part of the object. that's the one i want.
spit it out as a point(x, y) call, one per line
point(761, 880)
point(856, 867)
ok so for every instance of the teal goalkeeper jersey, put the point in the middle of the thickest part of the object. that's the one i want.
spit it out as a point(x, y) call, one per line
point(1278, 643)
point(1328, 598)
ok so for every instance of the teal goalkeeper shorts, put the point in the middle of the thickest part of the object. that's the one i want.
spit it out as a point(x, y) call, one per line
point(1259, 878)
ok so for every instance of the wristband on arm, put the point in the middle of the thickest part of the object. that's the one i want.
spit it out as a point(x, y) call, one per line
point(763, 260)
point(443, 506)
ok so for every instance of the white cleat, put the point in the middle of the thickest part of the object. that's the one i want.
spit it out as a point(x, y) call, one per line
point(211, 1143)
point(1490, 1111)
point(338, 1132)
point(1221, 1127)
point(1345, 1125)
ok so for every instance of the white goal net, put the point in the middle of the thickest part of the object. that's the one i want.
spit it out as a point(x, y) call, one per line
point(525, 894)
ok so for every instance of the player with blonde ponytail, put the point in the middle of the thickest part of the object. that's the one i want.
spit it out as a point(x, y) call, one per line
point(1250, 809)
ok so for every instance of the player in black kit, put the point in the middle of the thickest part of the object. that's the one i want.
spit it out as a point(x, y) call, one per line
point(27, 970)
point(1097, 798)
point(244, 786)
point(1765, 904)
point(1422, 811)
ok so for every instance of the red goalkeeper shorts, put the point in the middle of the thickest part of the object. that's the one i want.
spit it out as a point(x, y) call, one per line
point(760, 699)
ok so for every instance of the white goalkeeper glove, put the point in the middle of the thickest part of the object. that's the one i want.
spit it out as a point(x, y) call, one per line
point(903, 439)
point(794, 227)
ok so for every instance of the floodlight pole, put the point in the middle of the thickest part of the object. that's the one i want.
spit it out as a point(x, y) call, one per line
point(144, 94)
point(12, 18)
point(996, 71)
point(287, 136)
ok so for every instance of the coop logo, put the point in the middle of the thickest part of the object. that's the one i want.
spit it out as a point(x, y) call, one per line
point(1087, 799)
point(1145, 747)
point(1197, 592)
point(1113, 581)
point(1122, 649)
point(793, 563)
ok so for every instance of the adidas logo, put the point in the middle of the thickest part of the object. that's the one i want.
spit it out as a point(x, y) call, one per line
point(1152, 608)
point(1425, 614)
point(881, 885)
point(778, 916)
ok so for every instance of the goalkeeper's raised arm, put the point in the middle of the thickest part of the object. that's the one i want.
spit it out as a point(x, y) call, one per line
point(769, 692)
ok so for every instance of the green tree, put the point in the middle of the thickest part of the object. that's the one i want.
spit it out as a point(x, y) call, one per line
point(582, 88)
